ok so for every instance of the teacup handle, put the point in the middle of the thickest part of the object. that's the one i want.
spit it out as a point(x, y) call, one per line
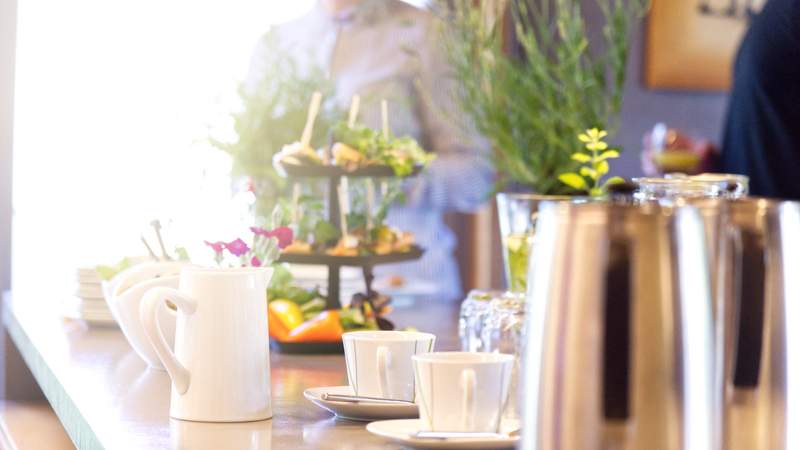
point(384, 359)
point(468, 387)
point(149, 315)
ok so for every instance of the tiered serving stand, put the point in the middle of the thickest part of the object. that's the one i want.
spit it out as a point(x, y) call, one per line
point(334, 174)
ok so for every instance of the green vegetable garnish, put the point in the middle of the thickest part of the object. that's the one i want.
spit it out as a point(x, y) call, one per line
point(402, 154)
point(108, 272)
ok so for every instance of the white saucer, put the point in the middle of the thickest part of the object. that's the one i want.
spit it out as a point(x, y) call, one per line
point(364, 412)
point(403, 431)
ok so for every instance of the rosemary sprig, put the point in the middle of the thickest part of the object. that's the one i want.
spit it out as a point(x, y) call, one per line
point(532, 104)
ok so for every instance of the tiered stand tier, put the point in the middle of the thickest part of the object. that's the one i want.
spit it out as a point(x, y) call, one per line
point(334, 175)
point(334, 263)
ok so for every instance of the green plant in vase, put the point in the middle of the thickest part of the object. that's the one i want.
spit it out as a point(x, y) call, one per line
point(531, 78)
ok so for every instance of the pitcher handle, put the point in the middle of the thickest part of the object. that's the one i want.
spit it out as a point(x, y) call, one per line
point(468, 386)
point(148, 313)
point(384, 360)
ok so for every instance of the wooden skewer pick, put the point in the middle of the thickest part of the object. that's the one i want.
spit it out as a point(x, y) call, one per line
point(295, 203)
point(156, 224)
point(313, 110)
point(354, 104)
point(149, 249)
point(384, 188)
point(344, 208)
point(370, 198)
point(385, 118)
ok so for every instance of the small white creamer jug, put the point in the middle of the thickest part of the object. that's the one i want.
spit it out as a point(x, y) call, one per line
point(220, 367)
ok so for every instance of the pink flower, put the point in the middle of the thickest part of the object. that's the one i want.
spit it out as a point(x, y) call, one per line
point(237, 247)
point(255, 262)
point(285, 235)
point(216, 246)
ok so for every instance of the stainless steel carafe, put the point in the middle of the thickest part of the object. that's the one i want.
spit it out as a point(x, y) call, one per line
point(619, 332)
point(755, 245)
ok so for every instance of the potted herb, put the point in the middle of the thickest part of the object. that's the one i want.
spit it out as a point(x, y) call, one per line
point(532, 80)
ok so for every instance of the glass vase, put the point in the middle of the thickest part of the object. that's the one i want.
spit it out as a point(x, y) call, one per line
point(517, 214)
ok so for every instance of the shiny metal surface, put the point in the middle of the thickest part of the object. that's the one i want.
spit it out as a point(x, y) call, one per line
point(619, 342)
point(107, 398)
point(757, 282)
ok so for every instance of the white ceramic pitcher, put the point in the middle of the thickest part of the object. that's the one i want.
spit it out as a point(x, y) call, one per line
point(220, 367)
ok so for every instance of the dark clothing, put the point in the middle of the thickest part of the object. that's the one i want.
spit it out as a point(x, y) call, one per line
point(762, 133)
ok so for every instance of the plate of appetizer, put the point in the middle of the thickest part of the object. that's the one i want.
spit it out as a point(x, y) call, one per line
point(299, 321)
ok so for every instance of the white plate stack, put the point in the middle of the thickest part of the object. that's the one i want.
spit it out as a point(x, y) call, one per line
point(89, 303)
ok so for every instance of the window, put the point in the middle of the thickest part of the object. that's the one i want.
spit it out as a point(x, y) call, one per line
point(113, 103)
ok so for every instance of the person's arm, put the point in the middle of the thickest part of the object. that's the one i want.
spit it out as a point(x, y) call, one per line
point(461, 176)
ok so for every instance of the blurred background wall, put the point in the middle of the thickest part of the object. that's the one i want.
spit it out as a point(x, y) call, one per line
point(700, 114)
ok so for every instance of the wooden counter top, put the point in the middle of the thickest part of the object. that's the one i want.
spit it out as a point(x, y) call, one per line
point(106, 397)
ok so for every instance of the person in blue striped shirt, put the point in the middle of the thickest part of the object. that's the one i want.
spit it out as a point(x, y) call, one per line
point(388, 49)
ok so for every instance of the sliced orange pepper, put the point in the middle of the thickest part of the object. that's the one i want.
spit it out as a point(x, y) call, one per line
point(277, 329)
point(323, 328)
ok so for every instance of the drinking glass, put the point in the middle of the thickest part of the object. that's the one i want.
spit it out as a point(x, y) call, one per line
point(470, 322)
point(724, 185)
point(517, 214)
point(682, 186)
point(503, 332)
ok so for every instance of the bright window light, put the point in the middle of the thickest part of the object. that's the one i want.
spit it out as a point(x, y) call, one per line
point(113, 104)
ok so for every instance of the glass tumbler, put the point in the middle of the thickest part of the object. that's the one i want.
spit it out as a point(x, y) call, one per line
point(471, 318)
point(718, 185)
point(503, 332)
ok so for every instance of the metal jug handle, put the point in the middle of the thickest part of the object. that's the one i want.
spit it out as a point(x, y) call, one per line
point(749, 281)
point(617, 332)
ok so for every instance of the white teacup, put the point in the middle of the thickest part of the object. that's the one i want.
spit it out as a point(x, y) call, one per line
point(379, 362)
point(462, 391)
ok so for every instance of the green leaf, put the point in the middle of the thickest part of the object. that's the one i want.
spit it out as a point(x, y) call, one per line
point(587, 172)
point(608, 154)
point(324, 231)
point(281, 277)
point(581, 157)
point(601, 168)
point(352, 318)
point(108, 272)
point(183, 254)
point(614, 180)
point(594, 146)
point(573, 180)
point(316, 305)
